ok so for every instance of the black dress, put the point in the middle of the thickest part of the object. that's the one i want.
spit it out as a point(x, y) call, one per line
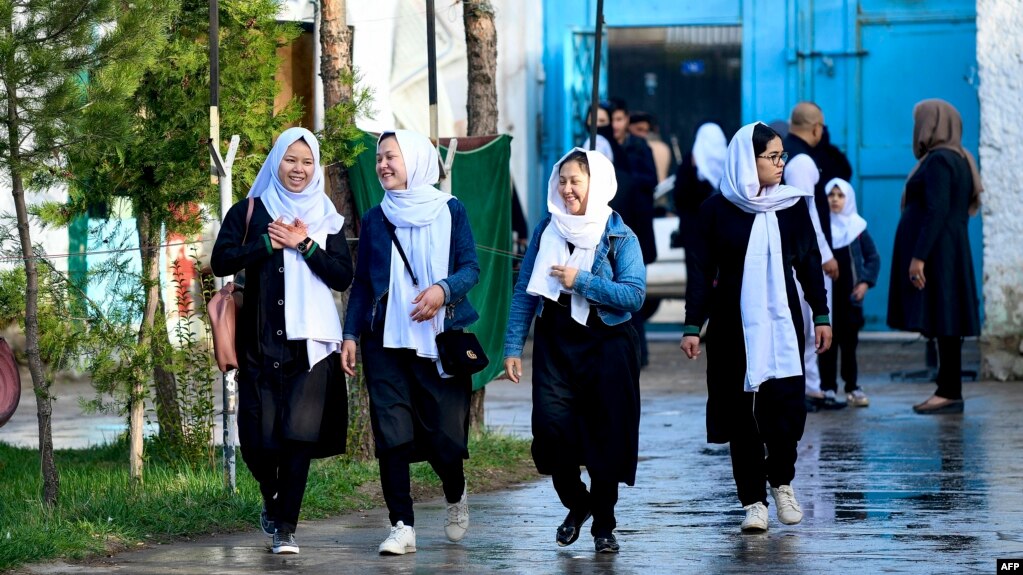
point(689, 193)
point(933, 228)
point(714, 289)
point(585, 395)
point(279, 397)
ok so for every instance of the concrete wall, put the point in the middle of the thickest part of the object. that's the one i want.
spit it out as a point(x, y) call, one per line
point(1000, 61)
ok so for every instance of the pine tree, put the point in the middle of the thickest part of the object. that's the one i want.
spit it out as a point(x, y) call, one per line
point(57, 59)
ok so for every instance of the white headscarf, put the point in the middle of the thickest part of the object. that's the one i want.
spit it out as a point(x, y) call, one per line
point(772, 348)
point(309, 310)
point(423, 227)
point(847, 225)
point(709, 151)
point(603, 146)
point(583, 232)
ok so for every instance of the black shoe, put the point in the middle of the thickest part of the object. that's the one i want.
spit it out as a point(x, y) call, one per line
point(266, 524)
point(606, 544)
point(944, 407)
point(813, 404)
point(284, 543)
point(569, 529)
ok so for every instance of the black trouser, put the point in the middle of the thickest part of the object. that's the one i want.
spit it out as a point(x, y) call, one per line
point(600, 500)
point(846, 338)
point(396, 481)
point(751, 468)
point(638, 322)
point(950, 367)
point(282, 474)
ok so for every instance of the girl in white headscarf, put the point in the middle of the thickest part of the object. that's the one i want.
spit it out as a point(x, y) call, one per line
point(749, 239)
point(581, 279)
point(858, 265)
point(418, 412)
point(698, 177)
point(287, 239)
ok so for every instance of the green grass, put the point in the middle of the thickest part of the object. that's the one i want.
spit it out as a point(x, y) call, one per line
point(100, 510)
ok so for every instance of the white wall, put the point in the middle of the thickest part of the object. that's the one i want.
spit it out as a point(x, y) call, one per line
point(1000, 60)
point(53, 240)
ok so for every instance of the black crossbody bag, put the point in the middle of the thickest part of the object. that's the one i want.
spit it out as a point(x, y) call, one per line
point(460, 351)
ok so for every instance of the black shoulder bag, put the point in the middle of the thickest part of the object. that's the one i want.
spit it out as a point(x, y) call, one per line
point(460, 351)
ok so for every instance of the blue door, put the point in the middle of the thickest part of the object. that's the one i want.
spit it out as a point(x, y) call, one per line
point(867, 63)
point(928, 51)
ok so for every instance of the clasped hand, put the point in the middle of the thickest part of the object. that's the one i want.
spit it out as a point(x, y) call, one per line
point(284, 235)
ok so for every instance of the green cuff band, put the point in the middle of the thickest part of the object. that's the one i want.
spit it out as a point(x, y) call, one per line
point(821, 320)
point(269, 246)
point(690, 330)
point(309, 252)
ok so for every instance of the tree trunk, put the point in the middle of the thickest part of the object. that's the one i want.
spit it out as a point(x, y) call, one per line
point(335, 52)
point(153, 336)
point(41, 386)
point(168, 411)
point(335, 69)
point(481, 106)
point(44, 408)
point(481, 53)
point(150, 278)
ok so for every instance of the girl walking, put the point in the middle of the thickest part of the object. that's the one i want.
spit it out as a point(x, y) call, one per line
point(418, 412)
point(750, 238)
point(292, 403)
point(581, 279)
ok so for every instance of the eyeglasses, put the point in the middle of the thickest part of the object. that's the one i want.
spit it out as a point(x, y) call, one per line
point(775, 158)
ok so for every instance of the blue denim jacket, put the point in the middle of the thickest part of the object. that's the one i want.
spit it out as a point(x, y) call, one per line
point(373, 273)
point(616, 290)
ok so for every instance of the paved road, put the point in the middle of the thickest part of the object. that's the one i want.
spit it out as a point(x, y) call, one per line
point(883, 490)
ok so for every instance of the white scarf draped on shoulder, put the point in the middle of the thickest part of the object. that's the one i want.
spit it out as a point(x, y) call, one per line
point(583, 231)
point(309, 310)
point(422, 224)
point(848, 225)
point(772, 347)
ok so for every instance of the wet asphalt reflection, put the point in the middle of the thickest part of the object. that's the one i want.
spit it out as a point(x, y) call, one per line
point(882, 490)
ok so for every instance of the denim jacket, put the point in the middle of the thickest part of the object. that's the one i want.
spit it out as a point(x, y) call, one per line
point(373, 273)
point(615, 290)
point(866, 263)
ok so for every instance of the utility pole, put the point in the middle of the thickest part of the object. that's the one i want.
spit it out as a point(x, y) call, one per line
point(221, 168)
point(597, 41)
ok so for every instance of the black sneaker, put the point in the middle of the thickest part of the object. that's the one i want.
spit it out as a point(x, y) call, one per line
point(569, 529)
point(284, 543)
point(266, 524)
point(606, 543)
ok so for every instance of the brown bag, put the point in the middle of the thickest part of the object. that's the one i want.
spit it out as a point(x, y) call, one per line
point(223, 310)
point(10, 383)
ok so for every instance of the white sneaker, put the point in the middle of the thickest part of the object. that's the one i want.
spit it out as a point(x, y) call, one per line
point(402, 540)
point(458, 517)
point(789, 511)
point(756, 518)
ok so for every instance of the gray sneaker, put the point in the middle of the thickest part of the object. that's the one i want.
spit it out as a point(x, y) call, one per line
point(266, 524)
point(284, 543)
point(457, 522)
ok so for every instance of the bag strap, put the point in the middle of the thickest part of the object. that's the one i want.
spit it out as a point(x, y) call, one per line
point(394, 238)
point(248, 218)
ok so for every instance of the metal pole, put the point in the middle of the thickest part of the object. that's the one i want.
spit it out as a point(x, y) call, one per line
point(222, 170)
point(214, 80)
point(431, 61)
point(597, 42)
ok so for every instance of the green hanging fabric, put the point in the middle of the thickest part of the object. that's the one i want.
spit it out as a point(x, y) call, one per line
point(480, 178)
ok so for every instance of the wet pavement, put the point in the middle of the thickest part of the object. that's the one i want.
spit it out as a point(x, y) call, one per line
point(882, 489)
